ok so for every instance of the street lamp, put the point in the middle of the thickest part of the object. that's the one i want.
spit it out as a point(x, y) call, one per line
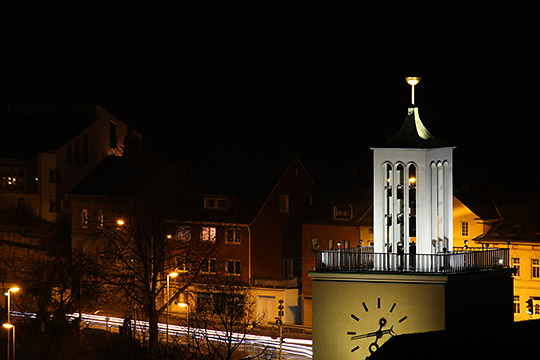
point(171, 275)
point(8, 294)
point(9, 326)
point(186, 306)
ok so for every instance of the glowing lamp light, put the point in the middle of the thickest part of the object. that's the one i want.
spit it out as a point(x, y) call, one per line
point(14, 289)
point(7, 325)
point(182, 305)
point(412, 180)
point(173, 274)
point(413, 80)
point(120, 222)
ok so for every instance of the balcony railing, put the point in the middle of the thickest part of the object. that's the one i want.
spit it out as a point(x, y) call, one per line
point(363, 259)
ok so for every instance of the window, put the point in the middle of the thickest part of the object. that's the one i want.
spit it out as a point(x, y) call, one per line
point(314, 244)
point(233, 267)
point(183, 233)
point(283, 204)
point(210, 267)
point(346, 244)
point(514, 230)
point(55, 176)
point(516, 305)
point(112, 135)
point(342, 212)
point(181, 264)
point(288, 268)
point(233, 236)
point(84, 218)
point(215, 202)
point(536, 309)
point(330, 244)
point(100, 218)
point(515, 265)
point(77, 152)
point(69, 155)
point(535, 265)
point(464, 229)
point(208, 233)
point(85, 149)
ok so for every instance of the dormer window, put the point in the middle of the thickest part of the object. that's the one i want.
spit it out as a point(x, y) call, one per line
point(215, 202)
point(342, 212)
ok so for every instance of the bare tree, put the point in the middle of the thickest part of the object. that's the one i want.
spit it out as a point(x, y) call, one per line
point(135, 246)
point(225, 313)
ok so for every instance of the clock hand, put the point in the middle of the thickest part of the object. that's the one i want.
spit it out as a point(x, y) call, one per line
point(378, 334)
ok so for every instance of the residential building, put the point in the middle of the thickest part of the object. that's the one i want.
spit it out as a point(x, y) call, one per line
point(247, 212)
point(64, 144)
point(518, 230)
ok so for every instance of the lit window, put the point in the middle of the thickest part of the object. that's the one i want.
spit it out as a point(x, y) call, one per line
point(515, 265)
point(84, 218)
point(208, 233)
point(283, 203)
point(535, 265)
point(183, 233)
point(330, 244)
point(464, 229)
point(315, 244)
point(346, 244)
point(233, 267)
point(516, 305)
point(233, 236)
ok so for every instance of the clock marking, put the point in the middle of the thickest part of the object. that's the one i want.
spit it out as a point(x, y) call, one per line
point(365, 306)
point(378, 335)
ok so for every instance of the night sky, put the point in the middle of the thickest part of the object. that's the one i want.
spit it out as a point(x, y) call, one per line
point(325, 77)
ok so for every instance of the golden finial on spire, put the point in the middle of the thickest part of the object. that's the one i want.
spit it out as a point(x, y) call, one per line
point(412, 80)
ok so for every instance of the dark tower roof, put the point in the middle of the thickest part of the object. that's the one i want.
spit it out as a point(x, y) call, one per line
point(413, 134)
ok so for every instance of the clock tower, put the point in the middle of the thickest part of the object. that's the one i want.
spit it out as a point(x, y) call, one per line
point(412, 202)
point(411, 280)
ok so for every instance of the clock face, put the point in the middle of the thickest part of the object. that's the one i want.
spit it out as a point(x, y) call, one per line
point(374, 324)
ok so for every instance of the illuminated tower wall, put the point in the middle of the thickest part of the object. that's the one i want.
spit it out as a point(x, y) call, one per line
point(412, 203)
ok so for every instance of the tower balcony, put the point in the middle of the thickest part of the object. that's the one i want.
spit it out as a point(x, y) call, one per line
point(364, 259)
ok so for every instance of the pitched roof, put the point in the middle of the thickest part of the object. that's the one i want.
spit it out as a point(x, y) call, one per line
point(413, 134)
point(519, 218)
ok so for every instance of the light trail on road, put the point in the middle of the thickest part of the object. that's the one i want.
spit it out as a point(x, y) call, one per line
point(295, 347)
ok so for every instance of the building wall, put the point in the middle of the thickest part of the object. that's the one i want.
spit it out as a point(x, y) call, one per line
point(339, 296)
point(336, 232)
point(347, 305)
point(276, 235)
point(526, 285)
point(462, 214)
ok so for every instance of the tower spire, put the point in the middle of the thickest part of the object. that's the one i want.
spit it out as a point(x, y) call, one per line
point(412, 80)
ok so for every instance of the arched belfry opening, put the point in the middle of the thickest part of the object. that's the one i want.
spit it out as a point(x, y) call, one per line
point(412, 190)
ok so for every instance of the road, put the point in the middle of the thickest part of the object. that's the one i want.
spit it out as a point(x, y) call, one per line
point(293, 349)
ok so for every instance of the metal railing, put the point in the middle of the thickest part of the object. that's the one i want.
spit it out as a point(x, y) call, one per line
point(363, 259)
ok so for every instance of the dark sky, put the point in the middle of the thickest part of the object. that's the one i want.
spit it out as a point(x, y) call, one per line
point(326, 76)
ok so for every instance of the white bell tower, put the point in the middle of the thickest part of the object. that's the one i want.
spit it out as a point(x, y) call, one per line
point(412, 200)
